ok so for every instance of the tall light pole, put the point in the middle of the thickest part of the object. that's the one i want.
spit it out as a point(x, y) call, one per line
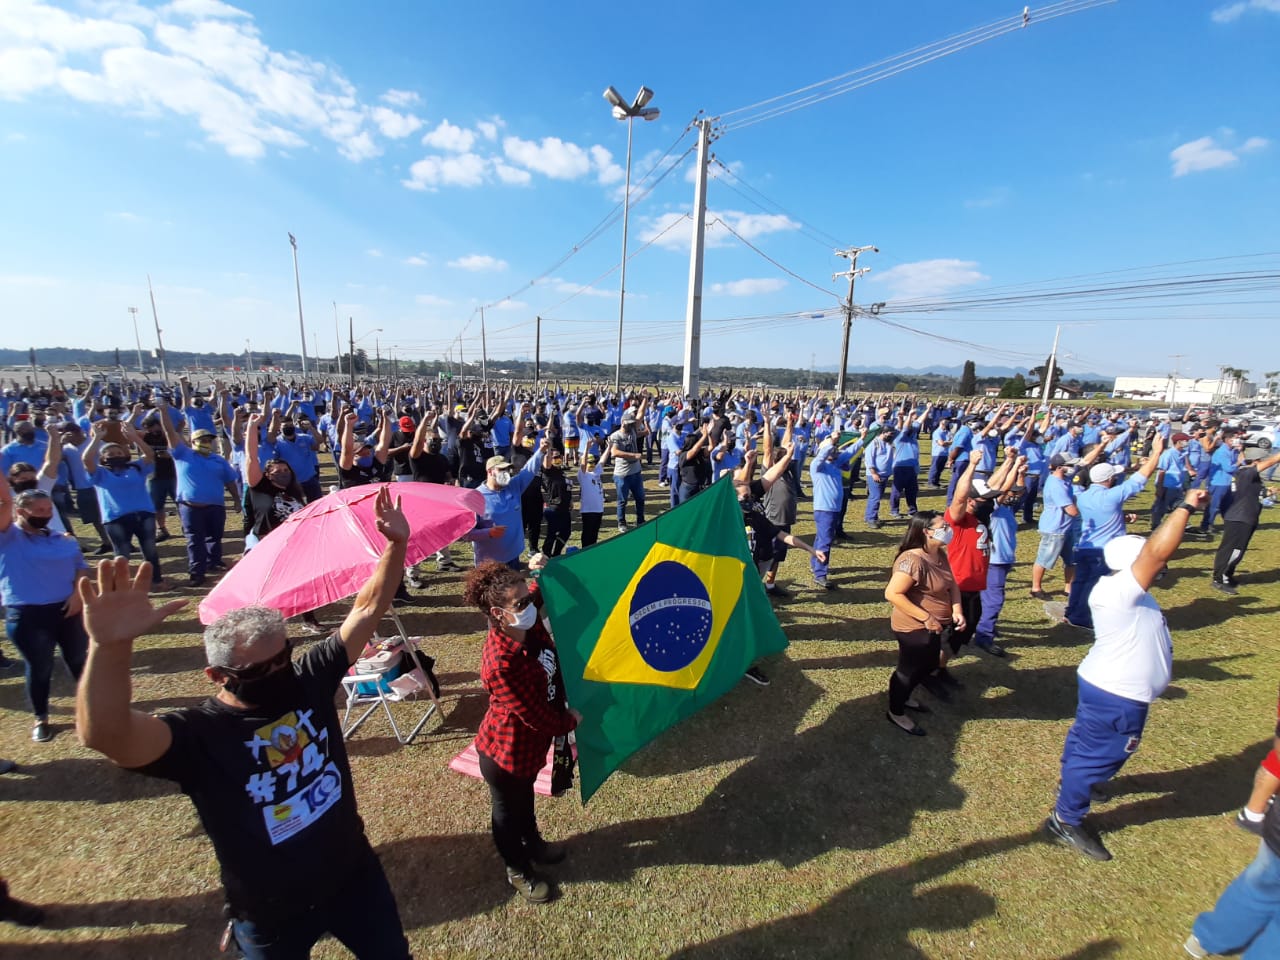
point(164, 370)
point(297, 283)
point(248, 353)
point(133, 311)
point(621, 111)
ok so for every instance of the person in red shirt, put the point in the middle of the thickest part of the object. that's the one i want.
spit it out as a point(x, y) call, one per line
point(969, 554)
point(527, 709)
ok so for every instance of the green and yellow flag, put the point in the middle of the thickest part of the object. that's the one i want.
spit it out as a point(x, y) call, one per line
point(654, 625)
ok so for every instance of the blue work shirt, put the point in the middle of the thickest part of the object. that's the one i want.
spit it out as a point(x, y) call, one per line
point(1058, 495)
point(880, 457)
point(74, 465)
point(200, 418)
point(906, 449)
point(1003, 527)
point(724, 460)
point(502, 509)
point(502, 430)
point(201, 479)
point(17, 452)
point(1034, 452)
point(939, 439)
point(1120, 451)
point(37, 568)
point(1102, 512)
point(1222, 466)
point(122, 491)
point(962, 444)
point(1174, 465)
point(827, 476)
point(1091, 434)
point(297, 453)
point(988, 450)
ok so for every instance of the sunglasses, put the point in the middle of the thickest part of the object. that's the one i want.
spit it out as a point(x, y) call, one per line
point(257, 670)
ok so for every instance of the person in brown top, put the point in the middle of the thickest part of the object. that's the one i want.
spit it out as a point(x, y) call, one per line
point(925, 601)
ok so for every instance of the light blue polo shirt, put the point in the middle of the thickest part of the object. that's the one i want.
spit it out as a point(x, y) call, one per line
point(297, 453)
point(201, 479)
point(123, 491)
point(1102, 512)
point(37, 568)
point(502, 509)
point(1003, 526)
point(826, 475)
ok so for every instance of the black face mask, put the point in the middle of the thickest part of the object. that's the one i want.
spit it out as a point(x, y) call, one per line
point(26, 438)
point(38, 523)
point(116, 463)
point(288, 434)
point(20, 485)
point(278, 692)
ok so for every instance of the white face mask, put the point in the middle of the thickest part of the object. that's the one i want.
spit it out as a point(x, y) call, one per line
point(502, 477)
point(993, 434)
point(942, 534)
point(524, 619)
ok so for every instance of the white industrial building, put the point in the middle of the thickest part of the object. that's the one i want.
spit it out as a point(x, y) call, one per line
point(1183, 390)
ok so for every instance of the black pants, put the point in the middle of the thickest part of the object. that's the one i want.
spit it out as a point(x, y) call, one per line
point(531, 514)
point(591, 528)
point(917, 657)
point(971, 605)
point(558, 525)
point(515, 826)
point(1235, 541)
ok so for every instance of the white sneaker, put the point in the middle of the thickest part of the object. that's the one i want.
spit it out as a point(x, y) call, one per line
point(1192, 946)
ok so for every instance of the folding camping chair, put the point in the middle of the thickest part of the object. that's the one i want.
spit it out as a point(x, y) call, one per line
point(372, 690)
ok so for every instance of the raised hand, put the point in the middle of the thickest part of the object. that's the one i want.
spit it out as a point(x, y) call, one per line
point(117, 608)
point(391, 521)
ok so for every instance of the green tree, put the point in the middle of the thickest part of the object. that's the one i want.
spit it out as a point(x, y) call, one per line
point(969, 379)
point(1054, 381)
point(1014, 388)
point(901, 387)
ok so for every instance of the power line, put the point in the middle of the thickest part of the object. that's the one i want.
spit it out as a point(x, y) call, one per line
point(788, 272)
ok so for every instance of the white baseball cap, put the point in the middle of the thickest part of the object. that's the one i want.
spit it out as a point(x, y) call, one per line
point(1102, 472)
point(1121, 552)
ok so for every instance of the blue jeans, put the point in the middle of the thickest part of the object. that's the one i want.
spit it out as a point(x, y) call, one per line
point(992, 603)
point(935, 470)
point(631, 485)
point(906, 483)
point(203, 528)
point(1166, 499)
point(1090, 568)
point(36, 629)
point(1106, 732)
point(1247, 915)
point(362, 916)
point(162, 489)
point(1028, 502)
point(311, 489)
point(826, 522)
point(122, 531)
point(875, 490)
point(683, 492)
point(1219, 501)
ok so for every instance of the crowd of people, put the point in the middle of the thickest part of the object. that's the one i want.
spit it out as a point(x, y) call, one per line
point(99, 468)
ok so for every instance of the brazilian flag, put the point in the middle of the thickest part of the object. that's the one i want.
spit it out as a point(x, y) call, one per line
point(654, 625)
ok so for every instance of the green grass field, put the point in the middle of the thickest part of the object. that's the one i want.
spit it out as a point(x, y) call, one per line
point(789, 821)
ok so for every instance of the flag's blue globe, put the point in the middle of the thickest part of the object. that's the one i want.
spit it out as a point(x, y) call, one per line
point(670, 616)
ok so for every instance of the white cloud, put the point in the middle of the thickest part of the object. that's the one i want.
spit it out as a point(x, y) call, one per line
point(373, 252)
point(431, 300)
point(1208, 154)
point(478, 263)
point(750, 226)
point(714, 170)
point(512, 175)
point(751, 287)
point(929, 278)
point(464, 170)
point(489, 128)
point(395, 125)
point(401, 98)
point(607, 171)
point(26, 71)
point(1233, 11)
point(511, 305)
point(577, 289)
point(551, 157)
point(448, 137)
point(415, 261)
point(201, 9)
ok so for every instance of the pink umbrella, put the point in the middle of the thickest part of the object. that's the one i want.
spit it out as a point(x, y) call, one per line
point(328, 550)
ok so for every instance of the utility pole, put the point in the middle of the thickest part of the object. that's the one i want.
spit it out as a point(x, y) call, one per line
point(484, 354)
point(133, 311)
point(297, 282)
point(337, 336)
point(377, 352)
point(1053, 365)
point(537, 350)
point(852, 274)
point(351, 337)
point(164, 371)
point(693, 312)
point(248, 349)
point(813, 359)
point(1173, 391)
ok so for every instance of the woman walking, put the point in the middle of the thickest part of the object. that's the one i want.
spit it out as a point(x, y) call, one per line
point(926, 601)
point(527, 709)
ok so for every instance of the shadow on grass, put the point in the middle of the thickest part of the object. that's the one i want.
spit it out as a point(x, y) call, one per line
point(1210, 611)
point(199, 918)
point(1200, 791)
point(875, 916)
point(78, 780)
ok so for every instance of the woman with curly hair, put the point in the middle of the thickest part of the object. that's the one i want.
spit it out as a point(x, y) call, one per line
point(925, 601)
point(527, 709)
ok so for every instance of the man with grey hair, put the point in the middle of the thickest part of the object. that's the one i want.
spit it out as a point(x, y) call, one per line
point(263, 760)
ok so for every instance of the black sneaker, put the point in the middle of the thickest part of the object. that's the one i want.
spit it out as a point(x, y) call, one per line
point(402, 598)
point(162, 536)
point(992, 648)
point(104, 549)
point(196, 580)
point(529, 885)
point(42, 732)
point(7, 765)
point(936, 688)
point(755, 675)
point(948, 679)
point(1080, 837)
point(1040, 595)
point(776, 591)
point(1244, 823)
point(1226, 588)
point(914, 729)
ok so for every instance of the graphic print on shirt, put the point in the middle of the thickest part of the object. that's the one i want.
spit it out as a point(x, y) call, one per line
point(547, 659)
point(983, 544)
point(298, 783)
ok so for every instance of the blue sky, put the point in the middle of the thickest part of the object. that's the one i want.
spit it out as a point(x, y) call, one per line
point(432, 158)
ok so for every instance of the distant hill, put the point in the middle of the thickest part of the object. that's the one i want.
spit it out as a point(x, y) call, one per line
point(986, 373)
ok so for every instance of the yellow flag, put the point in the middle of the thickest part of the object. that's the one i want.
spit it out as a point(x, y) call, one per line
point(665, 628)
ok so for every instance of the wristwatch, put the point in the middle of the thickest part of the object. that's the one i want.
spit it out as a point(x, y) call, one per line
point(1187, 507)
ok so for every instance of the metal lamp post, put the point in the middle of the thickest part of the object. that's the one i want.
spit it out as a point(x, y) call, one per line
point(297, 283)
point(621, 111)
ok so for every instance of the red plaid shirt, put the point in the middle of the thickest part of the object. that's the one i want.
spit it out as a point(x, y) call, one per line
point(525, 710)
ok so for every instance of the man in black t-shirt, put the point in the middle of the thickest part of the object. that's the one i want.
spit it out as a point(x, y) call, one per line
point(263, 760)
point(1241, 518)
point(361, 460)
